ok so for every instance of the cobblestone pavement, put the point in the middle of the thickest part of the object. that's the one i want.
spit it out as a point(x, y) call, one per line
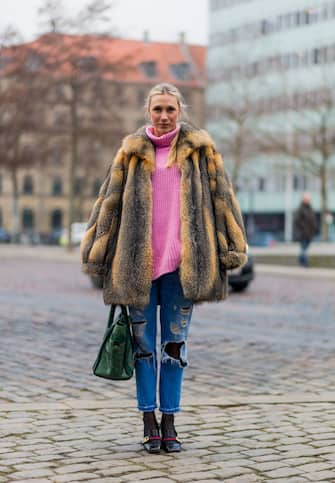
point(258, 396)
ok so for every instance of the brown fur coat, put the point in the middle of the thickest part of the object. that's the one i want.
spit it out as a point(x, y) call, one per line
point(117, 243)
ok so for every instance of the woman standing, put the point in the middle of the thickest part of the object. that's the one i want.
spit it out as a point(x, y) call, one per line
point(165, 228)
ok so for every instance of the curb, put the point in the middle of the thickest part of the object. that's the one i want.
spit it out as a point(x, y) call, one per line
point(298, 272)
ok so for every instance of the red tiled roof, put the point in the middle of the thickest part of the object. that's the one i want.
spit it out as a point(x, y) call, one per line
point(119, 59)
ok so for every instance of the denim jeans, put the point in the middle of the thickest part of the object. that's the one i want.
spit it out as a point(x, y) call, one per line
point(303, 258)
point(175, 317)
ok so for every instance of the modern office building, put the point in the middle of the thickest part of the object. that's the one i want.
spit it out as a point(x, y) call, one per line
point(271, 104)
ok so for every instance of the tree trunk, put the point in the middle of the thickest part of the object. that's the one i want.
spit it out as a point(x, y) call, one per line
point(324, 203)
point(15, 220)
point(73, 160)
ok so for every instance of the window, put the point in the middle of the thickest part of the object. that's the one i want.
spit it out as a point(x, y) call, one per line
point(78, 186)
point(181, 71)
point(265, 27)
point(325, 12)
point(295, 183)
point(55, 157)
point(298, 18)
point(28, 186)
point(96, 188)
point(57, 93)
point(317, 56)
point(28, 219)
point(149, 69)
point(59, 118)
point(261, 184)
point(299, 182)
point(295, 59)
point(56, 221)
point(288, 20)
point(57, 187)
point(34, 62)
point(87, 64)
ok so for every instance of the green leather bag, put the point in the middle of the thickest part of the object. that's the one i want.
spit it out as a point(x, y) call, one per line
point(115, 359)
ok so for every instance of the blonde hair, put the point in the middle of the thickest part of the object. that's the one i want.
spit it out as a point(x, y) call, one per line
point(166, 88)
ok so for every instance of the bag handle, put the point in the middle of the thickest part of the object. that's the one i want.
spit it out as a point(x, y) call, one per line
point(112, 313)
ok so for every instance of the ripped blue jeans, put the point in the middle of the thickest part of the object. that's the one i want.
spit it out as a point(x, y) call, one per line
point(175, 317)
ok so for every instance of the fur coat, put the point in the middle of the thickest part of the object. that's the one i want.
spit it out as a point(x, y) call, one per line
point(117, 243)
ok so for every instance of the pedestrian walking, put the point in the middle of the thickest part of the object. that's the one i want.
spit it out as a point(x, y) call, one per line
point(164, 230)
point(305, 226)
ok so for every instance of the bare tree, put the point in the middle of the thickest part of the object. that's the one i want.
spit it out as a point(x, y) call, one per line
point(18, 117)
point(309, 135)
point(237, 137)
point(74, 61)
point(76, 87)
point(92, 18)
point(236, 109)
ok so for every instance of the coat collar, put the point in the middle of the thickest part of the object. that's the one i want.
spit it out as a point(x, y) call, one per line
point(189, 139)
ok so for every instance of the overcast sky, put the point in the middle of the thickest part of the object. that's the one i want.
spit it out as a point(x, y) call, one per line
point(130, 18)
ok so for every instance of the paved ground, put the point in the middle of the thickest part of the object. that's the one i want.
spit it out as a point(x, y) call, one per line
point(259, 398)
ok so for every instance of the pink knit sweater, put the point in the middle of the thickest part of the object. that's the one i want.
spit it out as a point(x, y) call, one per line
point(166, 243)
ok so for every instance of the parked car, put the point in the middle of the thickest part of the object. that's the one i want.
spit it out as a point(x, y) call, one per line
point(238, 279)
point(4, 236)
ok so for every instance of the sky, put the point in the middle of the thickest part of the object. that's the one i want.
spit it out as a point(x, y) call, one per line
point(130, 18)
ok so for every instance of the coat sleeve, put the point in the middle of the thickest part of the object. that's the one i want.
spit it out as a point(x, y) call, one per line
point(103, 222)
point(231, 236)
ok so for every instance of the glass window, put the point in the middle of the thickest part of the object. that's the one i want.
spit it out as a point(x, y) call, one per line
point(56, 221)
point(78, 186)
point(59, 118)
point(87, 64)
point(55, 157)
point(96, 187)
point(261, 184)
point(34, 62)
point(28, 218)
point(264, 27)
point(28, 186)
point(298, 18)
point(57, 187)
point(317, 56)
point(181, 71)
point(149, 69)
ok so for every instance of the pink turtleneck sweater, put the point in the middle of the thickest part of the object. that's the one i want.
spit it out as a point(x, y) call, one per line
point(166, 243)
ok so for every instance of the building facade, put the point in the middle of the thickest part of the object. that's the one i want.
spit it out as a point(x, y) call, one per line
point(271, 104)
point(111, 81)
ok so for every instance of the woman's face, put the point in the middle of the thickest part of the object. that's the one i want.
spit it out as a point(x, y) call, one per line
point(164, 113)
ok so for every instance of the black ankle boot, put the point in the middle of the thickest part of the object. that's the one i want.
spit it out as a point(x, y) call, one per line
point(170, 441)
point(152, 439)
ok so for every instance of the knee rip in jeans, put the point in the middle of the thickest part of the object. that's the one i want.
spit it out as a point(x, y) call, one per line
point(138, 333)
point(175, 353)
